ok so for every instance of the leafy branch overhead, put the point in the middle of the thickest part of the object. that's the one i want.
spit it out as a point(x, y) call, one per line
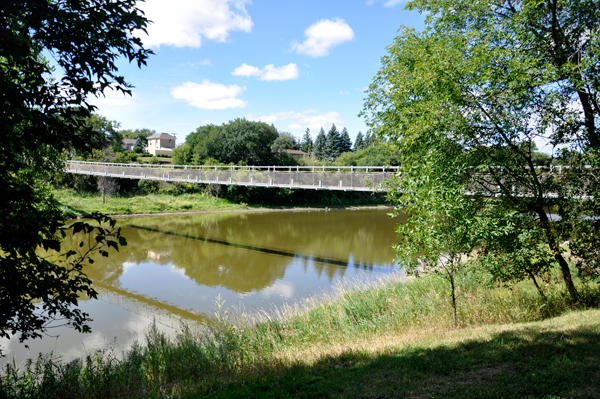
point(55, 57)
point(478, 90)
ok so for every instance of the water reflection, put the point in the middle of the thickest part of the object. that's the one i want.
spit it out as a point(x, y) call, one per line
point(174, 266)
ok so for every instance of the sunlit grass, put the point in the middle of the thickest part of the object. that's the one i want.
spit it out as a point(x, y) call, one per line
point(77, 204)
point(333, 332)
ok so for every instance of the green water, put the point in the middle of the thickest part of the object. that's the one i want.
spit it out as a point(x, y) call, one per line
point(174, 267)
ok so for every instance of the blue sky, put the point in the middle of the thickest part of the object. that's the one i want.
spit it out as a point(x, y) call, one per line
point(295, 64)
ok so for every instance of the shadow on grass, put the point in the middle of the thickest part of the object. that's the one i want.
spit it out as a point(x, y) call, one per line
point(527, 363)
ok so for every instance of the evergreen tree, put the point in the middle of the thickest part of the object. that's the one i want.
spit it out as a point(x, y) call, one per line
point(369, 140)
point(319, 147)
point(307, 143)
point(333, 144)
point(139, 142)
point(359, 144)
point(345, 141)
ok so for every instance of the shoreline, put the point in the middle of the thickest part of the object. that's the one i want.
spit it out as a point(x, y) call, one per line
point(244, 210)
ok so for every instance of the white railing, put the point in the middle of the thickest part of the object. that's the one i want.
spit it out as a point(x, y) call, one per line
point(350, 178)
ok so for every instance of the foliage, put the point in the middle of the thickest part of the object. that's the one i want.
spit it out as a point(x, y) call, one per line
point(333, 144)
point(238, 142)
point(141, 134)
point(346, 143)
point(53, 285)
point(319, 148)
point(45, 111)
point(285, 141)
point(307, 143)
point(382, 154)
point(359, 144)
point(493, 78)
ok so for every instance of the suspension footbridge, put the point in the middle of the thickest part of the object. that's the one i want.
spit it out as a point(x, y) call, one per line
point(346, 178)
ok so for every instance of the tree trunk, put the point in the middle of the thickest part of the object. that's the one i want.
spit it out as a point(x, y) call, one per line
point(554, 248)
point(453, 292)
point(536, 285)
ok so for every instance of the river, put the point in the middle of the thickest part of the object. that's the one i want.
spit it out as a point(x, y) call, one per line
point(174, 267)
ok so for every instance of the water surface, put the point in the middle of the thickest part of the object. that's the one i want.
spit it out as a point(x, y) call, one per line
point(174, 267)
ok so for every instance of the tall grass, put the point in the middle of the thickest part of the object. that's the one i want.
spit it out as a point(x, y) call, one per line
point(239, 346)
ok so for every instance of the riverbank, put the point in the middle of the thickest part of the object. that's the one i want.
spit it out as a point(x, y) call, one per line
point(78, 205)
point(395, 340)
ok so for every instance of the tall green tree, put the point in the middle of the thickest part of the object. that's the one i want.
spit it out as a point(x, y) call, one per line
point(359, 144)
point(307, 143)
point(320, 143)
point(243, 141)
point(42, 117)
point(333, 144)
point(346, 143)
point(285, 141)
point(494, 77)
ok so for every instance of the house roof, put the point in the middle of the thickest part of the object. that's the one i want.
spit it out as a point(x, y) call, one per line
point(129, 141)
point(161, 136)
point(295, 152)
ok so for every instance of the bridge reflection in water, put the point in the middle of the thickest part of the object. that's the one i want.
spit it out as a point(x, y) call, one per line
point(347, 178)
point(174, 267)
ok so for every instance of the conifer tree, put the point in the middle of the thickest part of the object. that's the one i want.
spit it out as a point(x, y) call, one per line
point(345, 141)
point(307, 143)
point(359, 144)
point(319, 147)
point(333, 144)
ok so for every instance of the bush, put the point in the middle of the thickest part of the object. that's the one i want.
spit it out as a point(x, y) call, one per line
point(148, 186)
point(138, 150)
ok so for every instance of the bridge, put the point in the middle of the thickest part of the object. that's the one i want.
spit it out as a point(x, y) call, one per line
point(346, 178)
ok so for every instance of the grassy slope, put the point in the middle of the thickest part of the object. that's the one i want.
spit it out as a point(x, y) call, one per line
point(80, 204)
point(555, 358)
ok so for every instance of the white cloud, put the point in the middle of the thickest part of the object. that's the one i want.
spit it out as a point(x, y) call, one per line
point(205, 63)
point(115, 98)
point(344, 93)
point(389, 3)
point(246, 70)
point(300, 120)
point(207, 95)
point(322, 35)
point(269, 72)
point(184, 23)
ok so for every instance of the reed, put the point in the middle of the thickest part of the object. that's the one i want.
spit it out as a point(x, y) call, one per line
point(238, 346)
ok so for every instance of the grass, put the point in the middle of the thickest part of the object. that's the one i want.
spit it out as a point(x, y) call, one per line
point(76, 204)
point(79, 204)
point(396, 339)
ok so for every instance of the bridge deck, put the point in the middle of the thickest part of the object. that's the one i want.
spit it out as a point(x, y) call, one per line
point(347, 178)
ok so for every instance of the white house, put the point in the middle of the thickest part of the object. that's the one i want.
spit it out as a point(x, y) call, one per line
point(161, 144)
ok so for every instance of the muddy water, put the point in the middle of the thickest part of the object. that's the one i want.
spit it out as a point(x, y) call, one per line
point(174, 267)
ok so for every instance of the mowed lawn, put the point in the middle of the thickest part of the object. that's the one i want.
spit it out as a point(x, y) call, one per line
point(555, 358)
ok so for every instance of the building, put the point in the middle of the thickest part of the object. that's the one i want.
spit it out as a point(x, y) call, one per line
point(296, 154)
point(128, 144)
point(161, 144)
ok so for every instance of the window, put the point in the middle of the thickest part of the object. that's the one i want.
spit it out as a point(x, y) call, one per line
point(169, 141)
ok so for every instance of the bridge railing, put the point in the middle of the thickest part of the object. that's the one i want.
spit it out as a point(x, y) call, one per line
point(358, 178)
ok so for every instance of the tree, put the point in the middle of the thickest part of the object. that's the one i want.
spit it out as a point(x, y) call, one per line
point(142, 134)
point(438, 232)
point(346, 143)
point(307, 143)
point(41, 117)
point(243, 141)
point(320, 143)
point(359, 144)
point(285, 141)
point(332, 144)
point(107, 187)
point(139, 142)
point(494, 77)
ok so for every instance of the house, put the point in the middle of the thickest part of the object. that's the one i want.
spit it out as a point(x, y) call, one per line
point(128, 144)
point(296, 154)
point(161, 144)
